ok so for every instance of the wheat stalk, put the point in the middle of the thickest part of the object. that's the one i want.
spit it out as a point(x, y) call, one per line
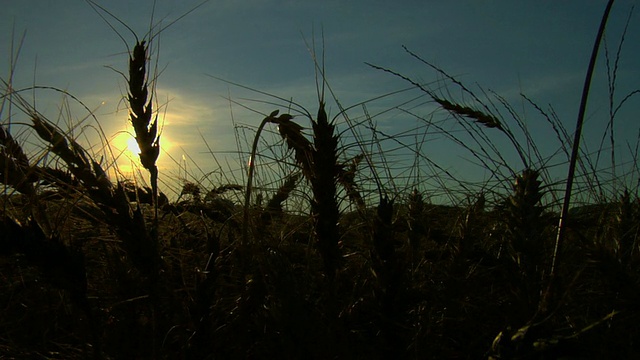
point(319, 164)
point(85, 169)
point(114, 202)
point(323, 178)
point(285, 121)
point(141, 114)
point(484, 118)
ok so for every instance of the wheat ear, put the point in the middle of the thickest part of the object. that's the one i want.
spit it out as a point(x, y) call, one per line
point(274, 205)
point(141, 115)
point(347, 179)
point(323, 178)
point(112, 200)
point(15, 170)
point(524, 220)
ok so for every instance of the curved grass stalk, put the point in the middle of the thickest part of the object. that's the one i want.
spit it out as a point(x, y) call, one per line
point(576, 141)
point(247, 198)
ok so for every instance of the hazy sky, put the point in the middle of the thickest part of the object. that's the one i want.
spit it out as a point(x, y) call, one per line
point(540, 48)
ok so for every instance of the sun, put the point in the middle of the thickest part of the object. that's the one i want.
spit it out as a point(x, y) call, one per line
point(125, 143)
point(125, 147)
point(132, 145)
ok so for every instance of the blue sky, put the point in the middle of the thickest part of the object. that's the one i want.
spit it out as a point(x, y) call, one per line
point(539, 48)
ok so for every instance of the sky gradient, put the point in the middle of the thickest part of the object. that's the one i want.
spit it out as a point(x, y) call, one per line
point(539, 48)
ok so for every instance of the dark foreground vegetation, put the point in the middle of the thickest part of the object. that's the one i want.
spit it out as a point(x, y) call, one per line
point(80, 276)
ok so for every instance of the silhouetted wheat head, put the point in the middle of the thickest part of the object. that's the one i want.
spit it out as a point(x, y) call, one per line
point(487, 120)
point(291, 132)
point(318, 162)
point(417, 230)
point(112, 200)
point(525, 224)
point(324, 175)
point(15, 169)
point(141, 112)
point(384, 243)
point(347, 179)
point(274, 205)
point(79, 163)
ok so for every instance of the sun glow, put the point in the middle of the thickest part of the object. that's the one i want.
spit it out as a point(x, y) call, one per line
point(126, 149)
point(125, 144)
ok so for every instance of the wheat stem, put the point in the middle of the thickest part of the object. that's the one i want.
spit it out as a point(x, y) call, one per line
point(247, 196)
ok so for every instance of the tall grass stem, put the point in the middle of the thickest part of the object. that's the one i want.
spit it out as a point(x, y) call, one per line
point(576, 141)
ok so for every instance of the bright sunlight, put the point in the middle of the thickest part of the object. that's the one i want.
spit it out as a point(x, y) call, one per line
point(126, 149)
